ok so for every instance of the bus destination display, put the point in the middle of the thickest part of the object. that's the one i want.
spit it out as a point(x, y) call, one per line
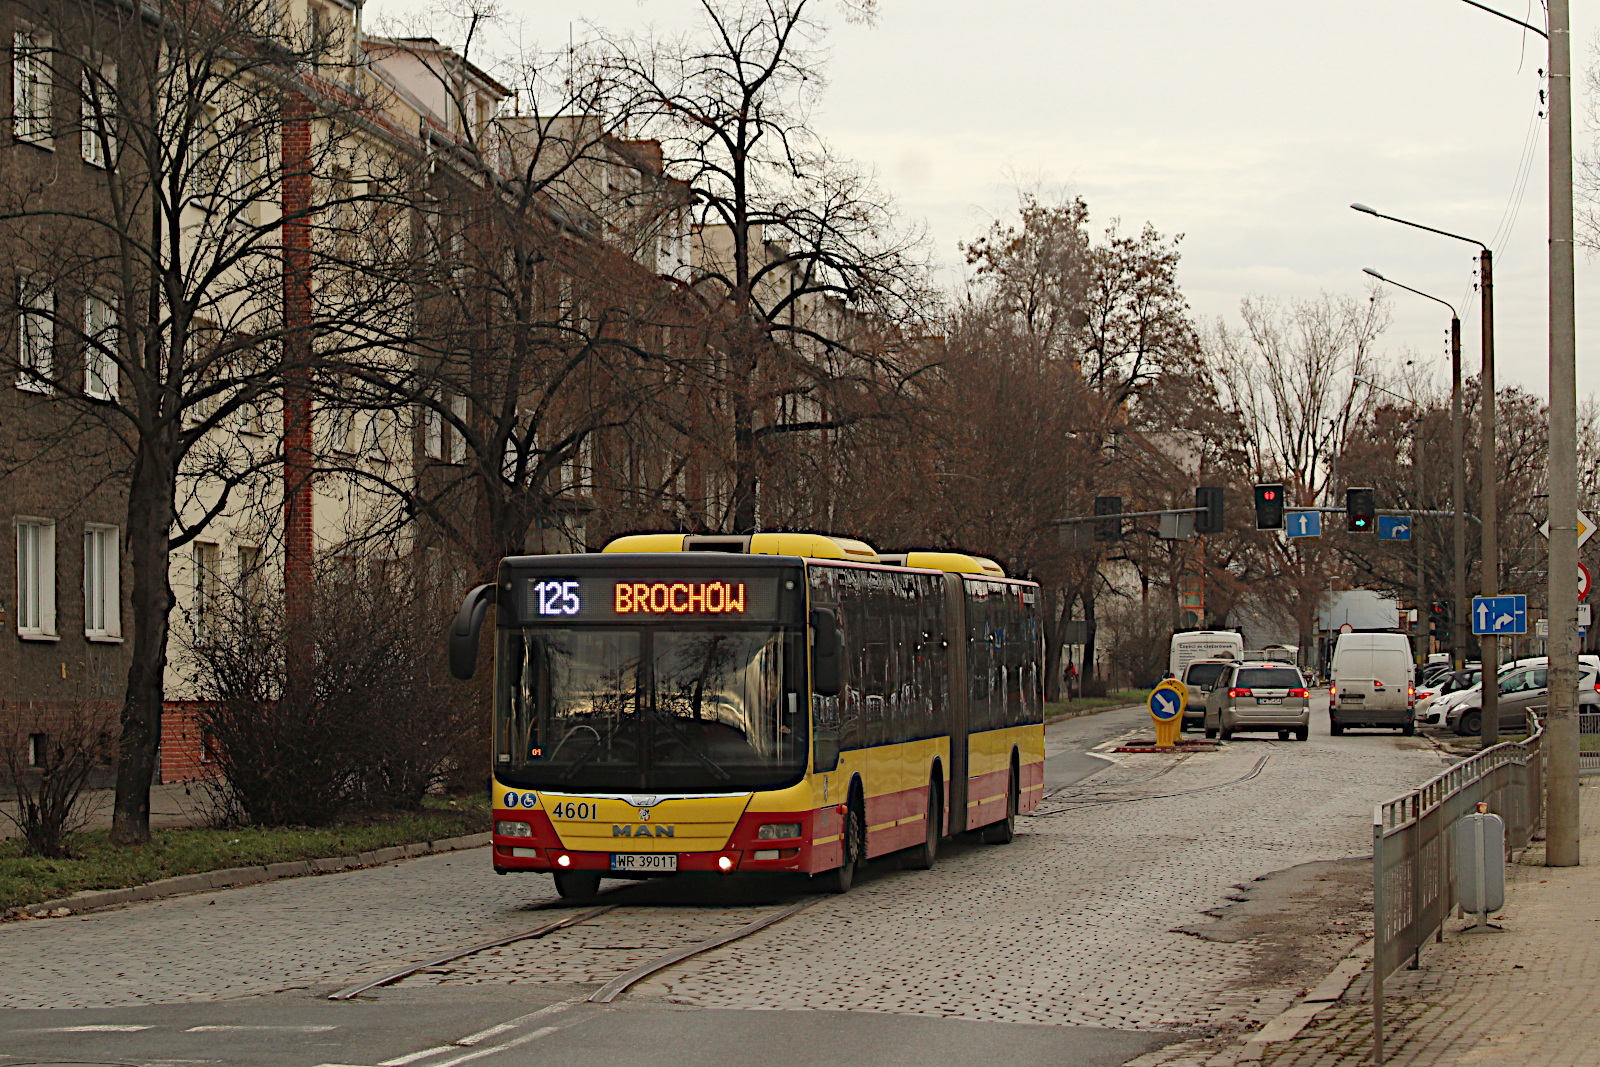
point(615, 598)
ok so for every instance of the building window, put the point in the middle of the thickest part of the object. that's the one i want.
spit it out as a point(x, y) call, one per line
point(458, 440)
point(250, 578)
point(36, 579)
point(207, 565)
point(102, 583)
point(38, 750)
point(99, 114)
point(100, 376)
point(36, 336)
point(30, 86)
point(433, 429)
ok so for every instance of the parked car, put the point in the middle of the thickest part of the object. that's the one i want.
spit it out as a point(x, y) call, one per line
point(1432, 705)
point(1259, 695)
point(1522, 688)
point(1372, 683)
point(1200, 677)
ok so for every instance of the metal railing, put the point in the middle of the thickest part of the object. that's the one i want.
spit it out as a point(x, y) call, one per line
point(1589, 743)
point(1413, 850)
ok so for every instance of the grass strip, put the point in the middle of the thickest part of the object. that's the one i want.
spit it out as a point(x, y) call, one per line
point(98, 864)
point(1063, 709)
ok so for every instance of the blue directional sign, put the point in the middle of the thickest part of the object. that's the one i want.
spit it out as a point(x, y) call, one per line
point(1500, 614)
point(1165, 703)
point(1394, 527)
point(1303, 524)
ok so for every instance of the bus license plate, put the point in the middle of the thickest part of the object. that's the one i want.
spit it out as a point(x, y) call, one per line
point(1270, 700)
point(644, 861)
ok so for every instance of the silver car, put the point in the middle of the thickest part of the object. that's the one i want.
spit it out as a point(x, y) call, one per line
point(1260, 696)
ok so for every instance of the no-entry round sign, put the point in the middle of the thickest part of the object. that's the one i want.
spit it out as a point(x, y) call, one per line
point(1585, 580)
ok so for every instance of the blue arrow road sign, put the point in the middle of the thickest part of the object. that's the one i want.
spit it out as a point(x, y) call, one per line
point(1394, 527)
point(1165, 705)
point(1500, 614)
point(1303, 524)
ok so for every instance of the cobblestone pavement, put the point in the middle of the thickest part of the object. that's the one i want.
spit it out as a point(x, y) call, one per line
point(1073, 923)
point(1524, 995)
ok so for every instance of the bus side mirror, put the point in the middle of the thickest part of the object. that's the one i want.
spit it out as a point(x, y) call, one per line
point(464, 631)
point(827, 654)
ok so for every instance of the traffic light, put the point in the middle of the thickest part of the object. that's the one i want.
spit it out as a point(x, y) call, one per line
point(1439, 620)
point(1269, 507)
point(1360, 510)
point(1108, 529)
point(1208, 520)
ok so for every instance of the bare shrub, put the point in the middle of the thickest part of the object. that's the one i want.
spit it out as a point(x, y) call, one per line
point(48, 754)
point(368, 721)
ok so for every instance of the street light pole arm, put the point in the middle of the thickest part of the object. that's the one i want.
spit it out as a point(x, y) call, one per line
point(1364, 209)
point(1508, 18)
point(1419, 292)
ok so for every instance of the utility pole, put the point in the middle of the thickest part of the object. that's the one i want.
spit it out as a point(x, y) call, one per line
point(1561, 729)
point(1488, 505)
point(1458, 490)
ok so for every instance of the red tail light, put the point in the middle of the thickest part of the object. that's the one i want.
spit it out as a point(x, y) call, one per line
point(1238, 692)
point(1298, 693)
point(1377, 684)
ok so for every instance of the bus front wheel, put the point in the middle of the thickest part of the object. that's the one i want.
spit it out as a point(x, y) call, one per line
point(853, 848)
point(577, 885)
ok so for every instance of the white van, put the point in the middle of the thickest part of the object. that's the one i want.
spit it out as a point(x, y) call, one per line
point(1372, 683)
point(1203, 644)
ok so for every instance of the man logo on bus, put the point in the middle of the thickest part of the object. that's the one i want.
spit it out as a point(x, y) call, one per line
point(679, 598)
point(643, 831)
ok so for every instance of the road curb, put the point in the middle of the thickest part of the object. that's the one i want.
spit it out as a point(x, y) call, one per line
point(204, 881)
point(1288, 1023)
point(1085, 712)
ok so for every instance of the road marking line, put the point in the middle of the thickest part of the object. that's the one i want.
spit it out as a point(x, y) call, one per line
point(493, 1049)
point(401, 1061)
point(255, 1029)
point(483, 1035)
point(96, 1028)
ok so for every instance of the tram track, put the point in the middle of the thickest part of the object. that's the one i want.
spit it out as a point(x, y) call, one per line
point(642, 920)
point(1254, 772)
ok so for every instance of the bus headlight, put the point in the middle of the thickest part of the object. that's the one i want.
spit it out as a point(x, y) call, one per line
point(725, 864)
point(778, 831)
point(513, 829)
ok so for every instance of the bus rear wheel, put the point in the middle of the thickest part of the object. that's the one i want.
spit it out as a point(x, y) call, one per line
point(577, 885)
point(921, 857)
point(1001, 833)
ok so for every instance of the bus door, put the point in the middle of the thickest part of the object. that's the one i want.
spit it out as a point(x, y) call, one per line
point(955, 632)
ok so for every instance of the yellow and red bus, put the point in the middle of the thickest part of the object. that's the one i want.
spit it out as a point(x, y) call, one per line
point(777, 702)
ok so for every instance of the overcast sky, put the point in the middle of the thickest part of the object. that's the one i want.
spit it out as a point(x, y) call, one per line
point(1246, 125)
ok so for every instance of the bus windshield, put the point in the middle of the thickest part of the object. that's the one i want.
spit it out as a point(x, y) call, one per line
point(651, 710)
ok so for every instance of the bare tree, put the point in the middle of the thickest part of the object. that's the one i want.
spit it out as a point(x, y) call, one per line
point(179, 291)
point(801, 267)
point(1298, 379)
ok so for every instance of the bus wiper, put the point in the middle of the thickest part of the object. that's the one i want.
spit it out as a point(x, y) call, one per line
point(711, 764)
point(583, 760)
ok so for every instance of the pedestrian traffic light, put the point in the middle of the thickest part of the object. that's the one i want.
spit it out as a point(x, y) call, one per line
point(1108, 529)
point(1269, 507)
point(1360, 510)
point(1208, 520)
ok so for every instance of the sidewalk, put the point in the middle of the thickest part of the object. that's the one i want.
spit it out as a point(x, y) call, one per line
point(1528, 995)
point(175, 805)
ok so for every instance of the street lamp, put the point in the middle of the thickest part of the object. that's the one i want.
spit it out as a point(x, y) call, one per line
point(1458, 488)
point(1488, 466)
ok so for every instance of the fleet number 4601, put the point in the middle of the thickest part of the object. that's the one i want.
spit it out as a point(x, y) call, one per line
point(573, 810)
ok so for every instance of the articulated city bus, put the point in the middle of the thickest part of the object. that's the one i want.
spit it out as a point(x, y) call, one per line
point(778, 702)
